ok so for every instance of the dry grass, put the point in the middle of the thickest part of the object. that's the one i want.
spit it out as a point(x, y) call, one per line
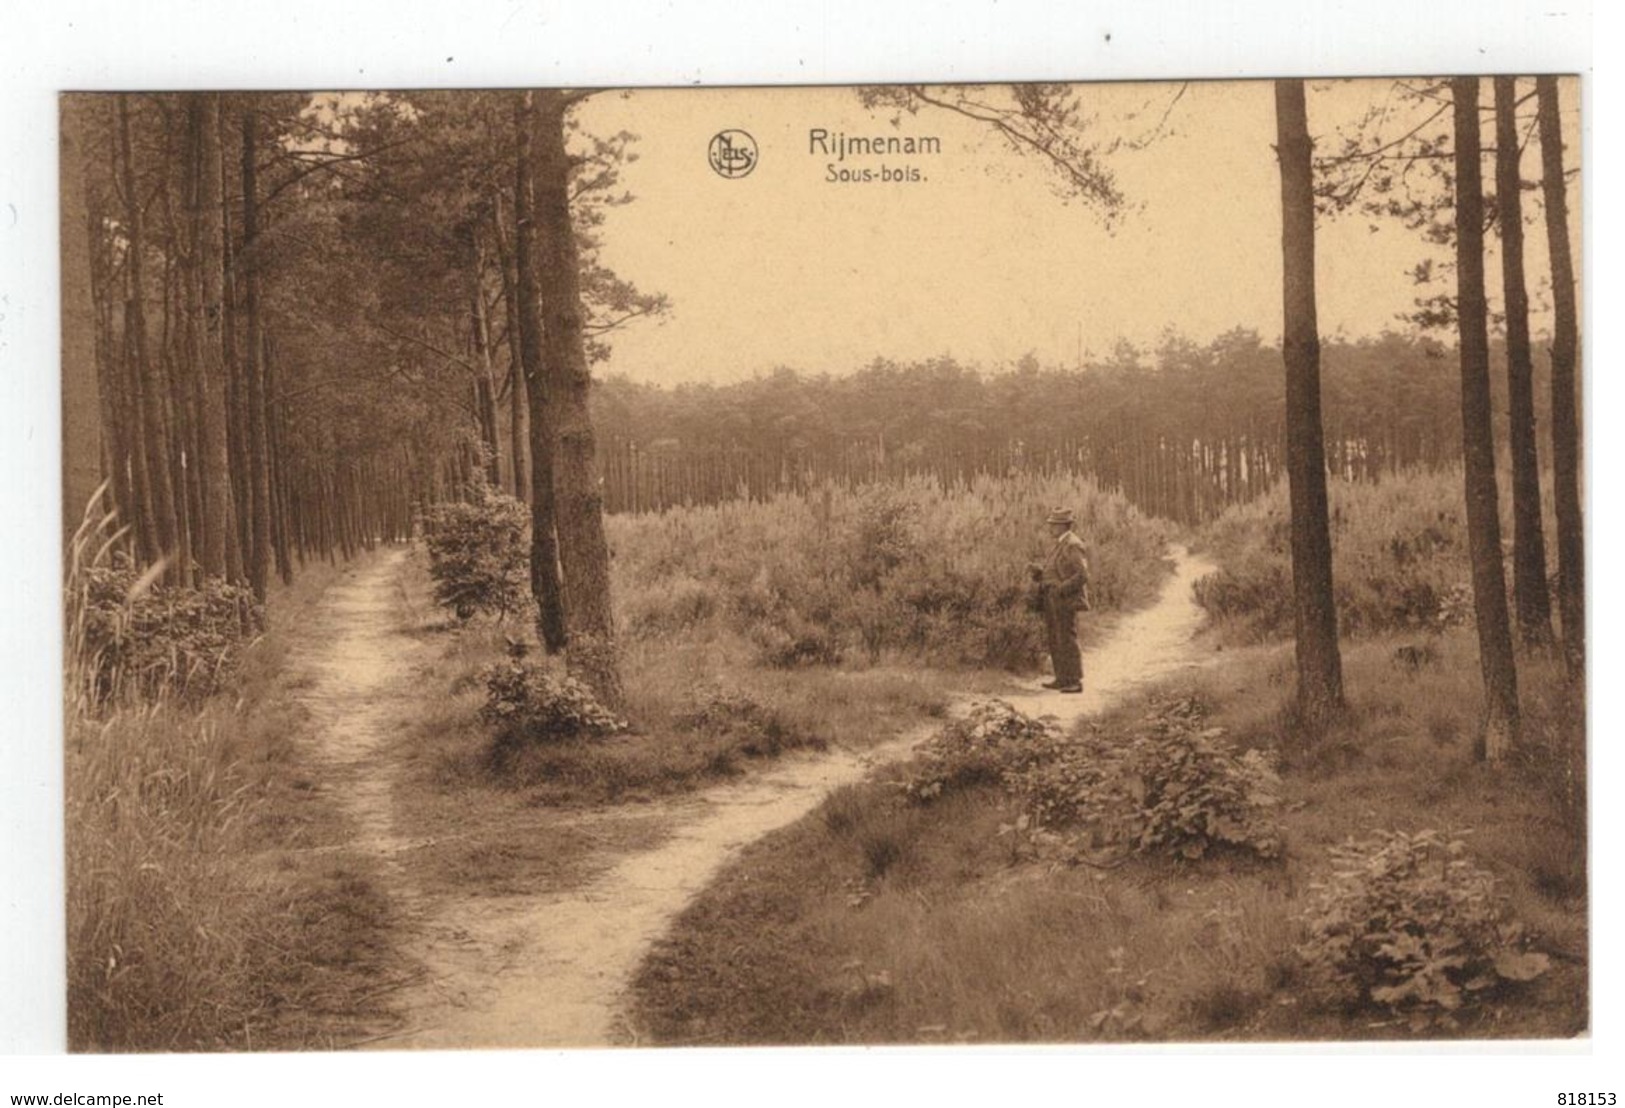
point(209, 903)
point(450, 749)
point(871, 921)
point(478, 810)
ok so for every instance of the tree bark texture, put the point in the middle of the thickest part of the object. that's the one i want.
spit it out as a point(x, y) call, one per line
point(583, 547)
point(1565, 359)
point(1499, 667)
point(1529, 588)
point(1320, 667)
point(546, 575)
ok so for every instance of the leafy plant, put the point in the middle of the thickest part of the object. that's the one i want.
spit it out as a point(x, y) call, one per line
point(1127, 1013)
point(528, 703)
point(1170, 786)
point(1173, 787)
point(132, 635)
point(479, 553)
point(1407, 923)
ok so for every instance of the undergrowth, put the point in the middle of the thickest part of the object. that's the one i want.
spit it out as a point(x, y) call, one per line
point(1399, 560)
point(883, 919)
point(195, 920)
point(912, 571)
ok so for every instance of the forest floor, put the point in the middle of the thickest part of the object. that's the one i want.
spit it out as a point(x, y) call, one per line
point(526, 921)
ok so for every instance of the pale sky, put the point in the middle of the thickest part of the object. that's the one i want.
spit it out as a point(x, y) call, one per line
point(980, 259)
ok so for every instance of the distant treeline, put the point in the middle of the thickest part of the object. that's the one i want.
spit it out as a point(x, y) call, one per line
point(1182, 431)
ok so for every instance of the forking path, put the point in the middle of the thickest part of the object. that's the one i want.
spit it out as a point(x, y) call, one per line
point(551, 970)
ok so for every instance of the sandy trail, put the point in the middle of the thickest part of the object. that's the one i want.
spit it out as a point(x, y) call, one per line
point(551, 970)
point(354, 658)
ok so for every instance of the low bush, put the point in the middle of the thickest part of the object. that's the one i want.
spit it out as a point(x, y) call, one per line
point(209, 901)
point(1168, 786)
point(1172, 786)
point(138, 638)
point(1408, 924)
point(479, 553)
point(527, 703)
point(991, 742)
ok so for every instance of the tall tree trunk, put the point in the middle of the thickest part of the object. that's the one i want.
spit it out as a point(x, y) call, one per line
point(518, 403)
point(1320, 666)
point(239, 537)
point(115, 403)
point(177, 402)
point(276, 478)
point(1565, 356)
point(259, 478)
point(1528, 542)
point(583, 548)
point(1495, 656)
point(81, 387)
point(546, 581)
point(484, 390)
point(213, 460)
point(155, 434)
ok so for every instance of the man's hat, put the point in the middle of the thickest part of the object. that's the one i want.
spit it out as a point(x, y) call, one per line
point(1060, 515)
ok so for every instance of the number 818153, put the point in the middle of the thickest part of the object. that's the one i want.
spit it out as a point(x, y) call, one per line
point(1586, 1100)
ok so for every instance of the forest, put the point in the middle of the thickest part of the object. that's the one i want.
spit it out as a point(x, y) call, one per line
point(385, 587)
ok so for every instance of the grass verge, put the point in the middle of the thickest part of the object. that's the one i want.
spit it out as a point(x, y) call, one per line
point(211, 902)
point(875, 921)
point(478, 802)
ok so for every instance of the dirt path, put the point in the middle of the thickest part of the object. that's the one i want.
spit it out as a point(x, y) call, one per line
point(354, 658)
point(549, 971)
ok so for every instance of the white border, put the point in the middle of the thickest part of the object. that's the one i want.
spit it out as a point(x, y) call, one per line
point(46, 47)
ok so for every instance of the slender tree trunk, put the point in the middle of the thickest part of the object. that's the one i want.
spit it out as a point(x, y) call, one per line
point(1528, 542)
point(484, 390)
point(1320, 666)
point(81, 387)
point(177, 393)
point(155, 434)
point(115, 402)
point(518, 403)
point(134, 421)
point(239, 538)
point(214, 462)
point(1565, 357)
point(583, 548)
point(546, 581)
point(1495, 655)
point(259, 480)
point(276, 479)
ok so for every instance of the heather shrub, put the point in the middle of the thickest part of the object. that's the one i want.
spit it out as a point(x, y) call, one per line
point(990, 743)
point(1406, 923)
point(479, 553)
point(684, 603)
point(931, 572)
point(1398, 550)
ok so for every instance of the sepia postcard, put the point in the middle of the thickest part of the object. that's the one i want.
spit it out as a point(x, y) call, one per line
point(890, 564)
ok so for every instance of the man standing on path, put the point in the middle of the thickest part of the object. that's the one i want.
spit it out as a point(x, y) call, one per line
point(1063, 591)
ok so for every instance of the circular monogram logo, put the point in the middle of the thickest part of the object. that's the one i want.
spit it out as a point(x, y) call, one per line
point(732, 154)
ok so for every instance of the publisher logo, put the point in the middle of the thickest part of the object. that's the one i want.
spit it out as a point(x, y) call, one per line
point(732, 154)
